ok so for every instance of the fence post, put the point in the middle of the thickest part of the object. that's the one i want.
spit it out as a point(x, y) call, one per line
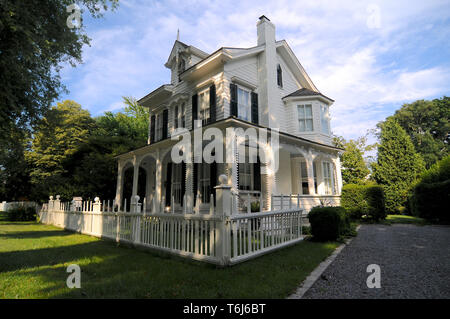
point(51, 204)
point(57, 203)
point(223, 210)
point(97, 205)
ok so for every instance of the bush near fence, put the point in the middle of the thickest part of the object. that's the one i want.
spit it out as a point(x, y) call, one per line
point(21, 213)
point(430, 197)
point(328, 223)
point(364, 200)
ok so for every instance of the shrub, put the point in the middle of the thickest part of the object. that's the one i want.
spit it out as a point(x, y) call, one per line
point(430, 197)
point(21, 213)
point(364, 200)
point(328, 223)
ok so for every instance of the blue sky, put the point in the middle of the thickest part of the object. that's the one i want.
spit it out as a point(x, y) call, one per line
point(369, 56)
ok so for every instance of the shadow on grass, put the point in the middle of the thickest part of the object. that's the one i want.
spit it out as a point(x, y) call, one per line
point(108, 271)
point(36, 234)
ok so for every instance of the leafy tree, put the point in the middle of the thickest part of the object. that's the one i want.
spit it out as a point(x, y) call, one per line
point(398, 165)
point(354, 167)
point(34, 40)
point(428, 125)
point(57, 137)
point(14, 170)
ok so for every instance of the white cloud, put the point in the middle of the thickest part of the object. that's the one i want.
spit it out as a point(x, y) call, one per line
point(369, 72)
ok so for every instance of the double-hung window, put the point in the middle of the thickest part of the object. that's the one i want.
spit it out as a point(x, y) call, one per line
point(244, 104)
point(176, 182)
point(179, 117)
point(203, 102)
point(159, 126)
point(245, 176)
point(204, 182)
point(324, 119)
point(328, 177)
point(305, 118)
point(304, 178)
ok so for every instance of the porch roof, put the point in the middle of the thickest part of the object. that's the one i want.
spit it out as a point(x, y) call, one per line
point(225, 122)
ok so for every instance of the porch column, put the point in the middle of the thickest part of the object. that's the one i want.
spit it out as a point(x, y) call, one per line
point(158, 186)
point(119, 187)
point(310, 168)
point(189, 187)
point(135, 177)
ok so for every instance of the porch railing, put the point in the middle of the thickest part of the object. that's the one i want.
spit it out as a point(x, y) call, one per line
point(221, 236)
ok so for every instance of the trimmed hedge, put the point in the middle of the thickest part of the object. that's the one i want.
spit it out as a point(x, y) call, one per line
point(430, 197)
point(328, 223)
point(21, 213)
point(360, 200)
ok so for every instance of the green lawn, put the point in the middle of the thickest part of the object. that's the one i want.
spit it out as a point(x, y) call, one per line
point(34, 258)
point(404, 219)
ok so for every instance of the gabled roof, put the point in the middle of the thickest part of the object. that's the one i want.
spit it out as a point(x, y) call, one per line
point(188, 48)
point(306, 92)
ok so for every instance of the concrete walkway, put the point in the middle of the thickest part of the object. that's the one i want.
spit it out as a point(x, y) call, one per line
point(414, 263)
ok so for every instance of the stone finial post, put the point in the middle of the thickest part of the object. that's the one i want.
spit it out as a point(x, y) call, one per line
point(223, 210)
point(51, 204)
point(57, 203)
point(97, 205)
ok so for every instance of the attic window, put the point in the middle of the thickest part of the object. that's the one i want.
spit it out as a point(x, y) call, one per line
point(181, 66)
point(279, 76)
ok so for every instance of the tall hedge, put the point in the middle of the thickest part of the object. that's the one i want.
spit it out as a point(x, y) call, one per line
point(360, 200)
point(431, 196)
point(398, 165)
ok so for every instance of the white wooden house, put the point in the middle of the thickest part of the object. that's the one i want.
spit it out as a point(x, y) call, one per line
point(264, 86)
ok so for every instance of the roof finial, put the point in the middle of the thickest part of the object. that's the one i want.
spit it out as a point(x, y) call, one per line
point(178, 35)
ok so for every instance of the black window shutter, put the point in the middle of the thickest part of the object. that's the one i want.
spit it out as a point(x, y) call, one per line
point(169, 184)
point(257, 175)
point(213, 179)
point(195, 177)
point(183, 181)
point(152, 129)
point(194, 109)
point(165, 124)
point(233, 100)
point(212, 103)
point(255, 108)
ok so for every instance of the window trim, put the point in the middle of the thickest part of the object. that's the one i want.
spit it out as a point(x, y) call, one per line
point(249, 100)
point(305, 118)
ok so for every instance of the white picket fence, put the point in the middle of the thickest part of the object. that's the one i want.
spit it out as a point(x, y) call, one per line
point(222, 236)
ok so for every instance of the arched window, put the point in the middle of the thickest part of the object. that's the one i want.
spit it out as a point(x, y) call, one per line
point(279, 76)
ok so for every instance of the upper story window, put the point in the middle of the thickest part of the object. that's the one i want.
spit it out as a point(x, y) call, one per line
point(203, 103)
point(244, 104)
point(159, 126)
point(181, 66)
point(279, 76)
point(179, 116)
point(324, 119)
point(305, 118)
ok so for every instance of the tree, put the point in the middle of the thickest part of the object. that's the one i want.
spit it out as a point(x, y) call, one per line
point(354, 168)
point(398, 165)
point(56, 138)
point(34, 40)
point(428, 125)
point(14, 170)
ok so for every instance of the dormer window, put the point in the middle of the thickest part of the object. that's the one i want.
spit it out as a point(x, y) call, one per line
point(279, 76)
point(324, 119)
point(181, 66)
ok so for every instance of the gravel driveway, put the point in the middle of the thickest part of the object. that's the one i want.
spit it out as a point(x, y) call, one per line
point(414, 263)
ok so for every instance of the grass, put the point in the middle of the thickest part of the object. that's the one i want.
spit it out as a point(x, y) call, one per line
point(404, 219)
point(34, 259)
